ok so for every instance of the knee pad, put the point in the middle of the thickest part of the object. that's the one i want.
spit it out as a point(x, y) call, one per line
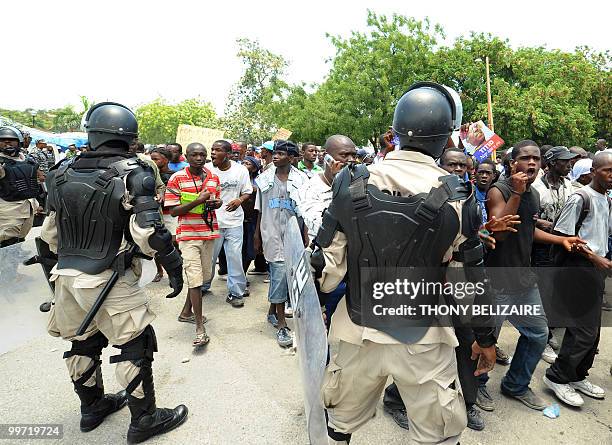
point(92, 348)
point(139, 351)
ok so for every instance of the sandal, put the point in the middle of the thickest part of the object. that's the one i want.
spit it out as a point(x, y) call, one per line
point(157, 278)
point(201, 339)
point(191, 319)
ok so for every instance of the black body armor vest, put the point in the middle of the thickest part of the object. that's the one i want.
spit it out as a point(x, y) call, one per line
point(385, 233)
point(20, 181)
point(87, 194)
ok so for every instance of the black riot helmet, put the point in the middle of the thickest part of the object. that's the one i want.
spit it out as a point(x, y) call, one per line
point(11, 133)
point(426, 116)
point(110, 121)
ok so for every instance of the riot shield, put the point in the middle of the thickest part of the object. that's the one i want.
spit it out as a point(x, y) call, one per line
point(22, 290)
point(311, 338)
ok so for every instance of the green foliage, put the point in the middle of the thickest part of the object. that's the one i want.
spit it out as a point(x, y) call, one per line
point(552, 97)
point(159, 120)
point(247, 116)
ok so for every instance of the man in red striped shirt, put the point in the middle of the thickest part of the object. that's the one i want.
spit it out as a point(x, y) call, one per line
point(192, 195)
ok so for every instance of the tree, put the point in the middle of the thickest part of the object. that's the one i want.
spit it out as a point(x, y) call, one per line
point(159, 120)
point(247, 116)
point(369, 73)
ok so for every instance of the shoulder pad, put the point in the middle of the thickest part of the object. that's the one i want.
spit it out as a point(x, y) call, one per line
point(125, 166)
point(348, 175)
point(60, 163)
point(457, 188)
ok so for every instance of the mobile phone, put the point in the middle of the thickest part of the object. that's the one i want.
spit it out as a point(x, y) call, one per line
point(328, 160)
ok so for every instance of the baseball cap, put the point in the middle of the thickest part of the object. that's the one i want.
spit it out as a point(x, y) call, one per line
point(559, 152)
point(268, 145)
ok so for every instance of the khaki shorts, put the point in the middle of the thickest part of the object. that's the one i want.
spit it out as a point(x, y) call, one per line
point(197, 261)
point(426, 376)
point(171, 224)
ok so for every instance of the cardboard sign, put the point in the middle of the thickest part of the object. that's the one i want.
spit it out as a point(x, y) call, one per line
point(186, 134)
point(479, 141)
point(283, 134)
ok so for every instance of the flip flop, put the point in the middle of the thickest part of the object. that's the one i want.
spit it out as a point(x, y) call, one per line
point(191, 319)
point(201, 339)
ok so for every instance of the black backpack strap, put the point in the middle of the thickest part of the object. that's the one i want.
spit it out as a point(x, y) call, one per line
point(586, 207)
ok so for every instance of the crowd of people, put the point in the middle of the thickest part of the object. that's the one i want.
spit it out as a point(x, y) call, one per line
point(224, 208)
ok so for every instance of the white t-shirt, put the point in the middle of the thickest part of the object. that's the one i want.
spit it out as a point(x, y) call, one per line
point(234, 181)
point(596, 226)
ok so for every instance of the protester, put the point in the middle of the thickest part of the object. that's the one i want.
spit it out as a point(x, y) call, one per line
point(253, 165)
point(161, 157)
point(242, 150)
point(276, 203)
point(586, 214)
point(192, 195)
point(308, 163)
point(454, 161)
point(178, 162)
point(266, 154)
point(320, 156)
point(601, 144)
point(235, 153)
point(515, 196)
point(581, 173)
point(484, 176)
point(72, 152)
point(236, 188)
point(554, 189)
point(385, 142)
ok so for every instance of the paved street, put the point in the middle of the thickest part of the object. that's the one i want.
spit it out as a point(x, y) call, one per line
point(243, 388)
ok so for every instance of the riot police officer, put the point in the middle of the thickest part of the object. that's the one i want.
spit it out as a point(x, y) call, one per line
point(18, 188)
point(402, 212)
point(101, 206)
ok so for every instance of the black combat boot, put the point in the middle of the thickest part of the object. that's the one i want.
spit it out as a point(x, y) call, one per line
point(95, 405)
point(148, 420)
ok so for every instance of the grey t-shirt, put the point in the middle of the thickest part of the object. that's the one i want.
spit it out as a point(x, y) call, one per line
point(595, 227)
point(276, 209)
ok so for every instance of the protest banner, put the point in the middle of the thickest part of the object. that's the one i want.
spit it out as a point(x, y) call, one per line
point(186, 134)
point(283, 134)
point(479, 141)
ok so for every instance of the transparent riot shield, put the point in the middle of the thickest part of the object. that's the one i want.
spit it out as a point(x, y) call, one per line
point(311, 338)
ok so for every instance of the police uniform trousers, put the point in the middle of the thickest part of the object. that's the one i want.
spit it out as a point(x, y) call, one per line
point(122, 317)
point(16, 219)
point(426, 375)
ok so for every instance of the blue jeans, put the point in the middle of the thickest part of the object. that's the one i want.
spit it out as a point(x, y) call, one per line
point(531, 343)
point(332, 299)
point(231, 240)
point(278, 291)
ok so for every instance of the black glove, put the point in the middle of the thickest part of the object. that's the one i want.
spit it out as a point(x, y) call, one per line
point(175, 276)
point(173, 264)
point(317, 261)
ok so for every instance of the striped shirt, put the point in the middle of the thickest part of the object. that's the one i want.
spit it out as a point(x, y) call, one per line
point(191, 226)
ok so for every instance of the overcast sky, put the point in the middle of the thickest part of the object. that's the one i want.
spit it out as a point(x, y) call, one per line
point(133, 51)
